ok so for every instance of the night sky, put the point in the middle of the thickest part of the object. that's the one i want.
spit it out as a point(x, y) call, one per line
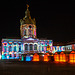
point(54, 19)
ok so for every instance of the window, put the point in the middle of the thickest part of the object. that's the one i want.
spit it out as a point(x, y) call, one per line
point(5, 48)
point(10, 48)
point(35, 47)
point(5, 55)
point(19, 48)
point(14, 55)
point(26, 46)
point(30, 26)
point(31, 47)
point(14, 48)
point(43, 48)
point(10, 55)
point(24, 32)
point(14, 43)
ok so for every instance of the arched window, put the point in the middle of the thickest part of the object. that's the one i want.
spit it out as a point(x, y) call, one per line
point(26, 46)
point(14, 48)
point(24, 32)
point(10, 47)
point(35, 47)
point(5, 47)
point(31, 47)
point(19, 48)
point(42, 48)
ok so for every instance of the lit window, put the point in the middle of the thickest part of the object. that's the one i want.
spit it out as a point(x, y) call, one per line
point(72, 57)
point(5, 55)
point(43, 48)
point(5, 48)
point(35, 57)
point(19, 48)
point(46, 57)
point(10, 48)
point(14, 48)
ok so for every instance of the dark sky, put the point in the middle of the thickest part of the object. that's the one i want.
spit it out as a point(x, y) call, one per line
point(54, 19)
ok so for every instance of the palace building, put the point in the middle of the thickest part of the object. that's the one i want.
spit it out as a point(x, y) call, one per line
point(29, 43)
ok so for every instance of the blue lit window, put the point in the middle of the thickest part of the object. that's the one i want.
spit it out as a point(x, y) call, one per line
point(5, 44)
point(5, 55)
point(14, 48)
point(28, 58)
point(42, 48)
point(19, 43)
point(14, 43)
point(55, 48)
point(35, 47)
point(19, 48)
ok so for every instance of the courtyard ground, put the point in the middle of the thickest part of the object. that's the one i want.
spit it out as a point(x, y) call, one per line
point(36, 68)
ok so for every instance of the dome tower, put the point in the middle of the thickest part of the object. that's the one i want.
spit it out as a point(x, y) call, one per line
point(28, 25)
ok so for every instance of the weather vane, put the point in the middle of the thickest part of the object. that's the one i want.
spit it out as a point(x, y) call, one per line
point(27, 6)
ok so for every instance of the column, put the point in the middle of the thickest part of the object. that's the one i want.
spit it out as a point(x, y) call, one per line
point(28, 48)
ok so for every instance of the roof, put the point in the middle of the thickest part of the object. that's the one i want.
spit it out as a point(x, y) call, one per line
point(27, 19)
point(59, 43)
point(11, 40)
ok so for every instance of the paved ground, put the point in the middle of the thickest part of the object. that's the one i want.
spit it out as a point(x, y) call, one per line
point(36, 68)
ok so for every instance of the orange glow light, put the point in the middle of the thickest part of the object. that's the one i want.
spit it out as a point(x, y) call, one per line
point(62, 57)
point(35, 57)
point(56, 57)
point(72, 57)
point(46, 58)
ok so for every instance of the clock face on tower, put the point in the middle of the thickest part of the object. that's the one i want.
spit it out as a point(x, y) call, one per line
point(28, 30)
point(30, 26)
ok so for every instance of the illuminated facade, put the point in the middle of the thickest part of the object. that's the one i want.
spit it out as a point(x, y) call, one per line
point(58, 49)
point(14, 48)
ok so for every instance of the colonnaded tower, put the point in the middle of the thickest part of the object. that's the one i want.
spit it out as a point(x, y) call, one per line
point(28, 25)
